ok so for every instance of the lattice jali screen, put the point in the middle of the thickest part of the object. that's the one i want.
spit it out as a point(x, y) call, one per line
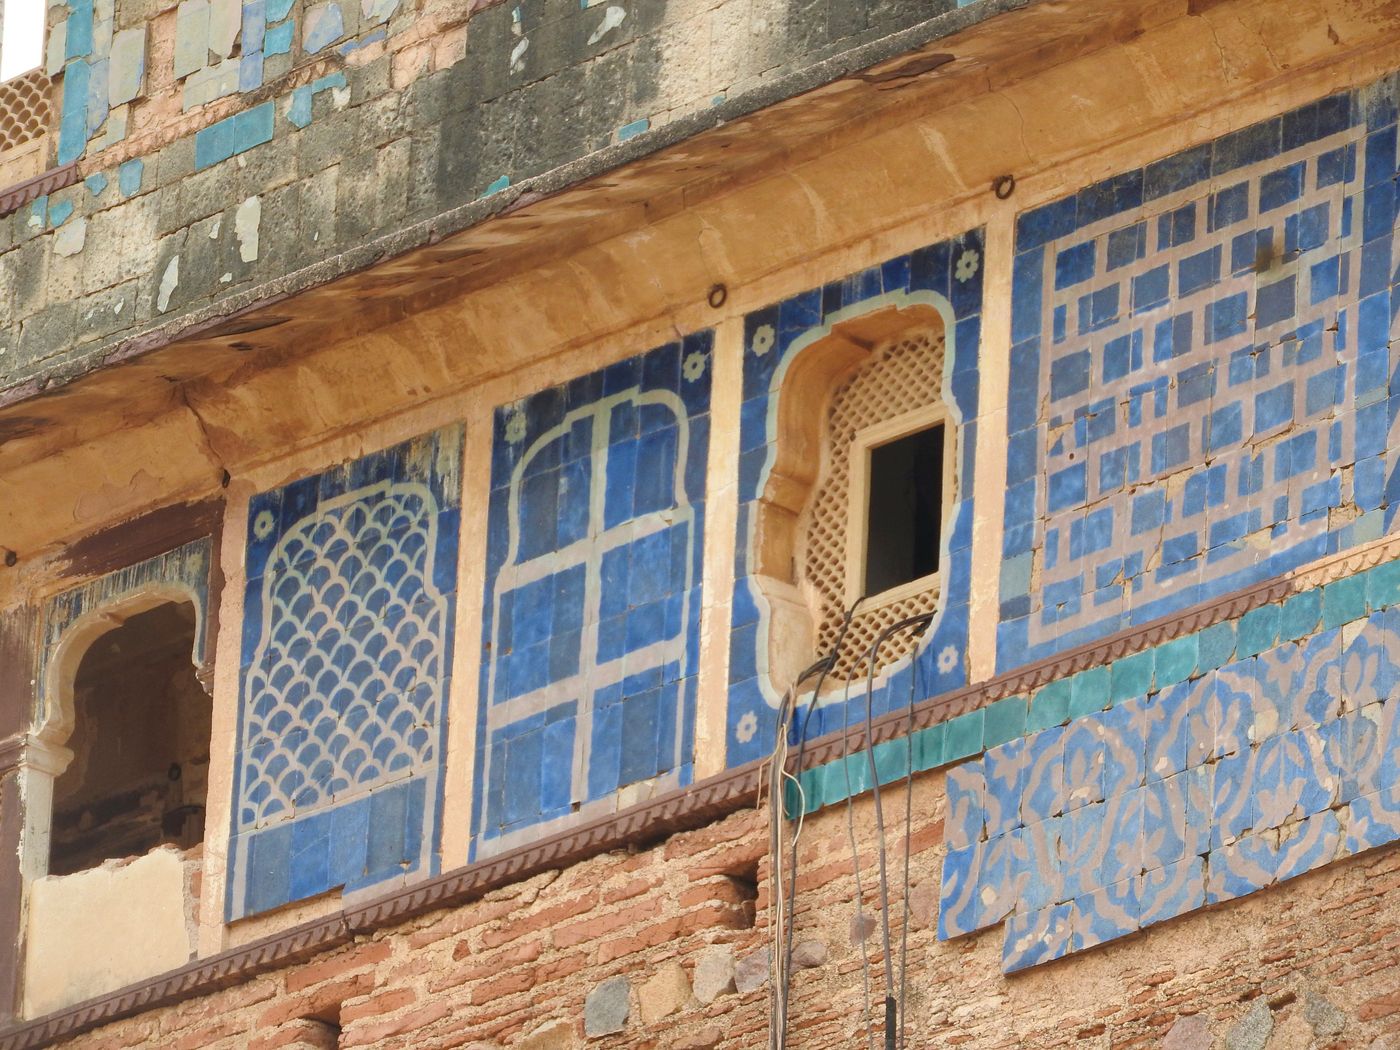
point(902, 376)
point(24, 109)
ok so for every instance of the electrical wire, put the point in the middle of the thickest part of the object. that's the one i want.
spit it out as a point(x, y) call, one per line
point(855, 864)
point(779, 916)
point(891, 1003)
point(820, 670)
point(782, 905)
point(908, 839)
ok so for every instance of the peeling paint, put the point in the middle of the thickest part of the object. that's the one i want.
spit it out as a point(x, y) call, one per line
point(245, 227)
point(70, 239)
point(168, 282)
point(612, 18)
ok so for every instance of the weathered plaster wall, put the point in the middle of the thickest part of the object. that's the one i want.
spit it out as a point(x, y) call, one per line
point(98, 930)
point(300, 418)
point(222, 146)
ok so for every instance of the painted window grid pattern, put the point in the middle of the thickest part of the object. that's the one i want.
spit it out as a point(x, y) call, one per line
point(1214, 406)
point(591, 628)
point(346, 669)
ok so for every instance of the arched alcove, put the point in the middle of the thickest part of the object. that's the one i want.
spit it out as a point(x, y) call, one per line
point(139, 737)
point(866, 382)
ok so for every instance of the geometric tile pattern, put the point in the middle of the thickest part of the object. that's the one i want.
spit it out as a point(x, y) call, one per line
point(1210, 399)
point(1277, 753)
point(947, 277)
point(347, 648)
point(591, 628)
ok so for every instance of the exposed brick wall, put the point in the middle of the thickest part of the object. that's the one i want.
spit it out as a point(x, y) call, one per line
point(516, 968)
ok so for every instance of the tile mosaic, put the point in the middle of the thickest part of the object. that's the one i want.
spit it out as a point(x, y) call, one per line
point(1185, 432)
point(591, 627)
point(346, 670)
point(948, 278)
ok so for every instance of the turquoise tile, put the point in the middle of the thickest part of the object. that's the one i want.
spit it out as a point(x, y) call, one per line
point(858, 774)
point(928, 746)
point(964, 735)
point(1257, 631)
point(253, 127)
point(1088, 692)
point(278, 40)
point(1049, 707)
point(214, 144)
point(1215, 646)
point(1004, 720)
point(1383, 585)
point(129, 176)
point(1131, 676)
point(792, 800)
point(1176, 660)
point(1343, 601)
point(892, 760)
point(834, 787)
point(1300, 615)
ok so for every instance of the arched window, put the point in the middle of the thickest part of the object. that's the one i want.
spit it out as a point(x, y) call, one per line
point(858, 501)
point(140, 745)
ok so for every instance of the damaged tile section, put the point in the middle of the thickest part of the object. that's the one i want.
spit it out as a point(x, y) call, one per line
point(592, 627)
point(1210, 400)
point(346, 668)
point(1233, 759)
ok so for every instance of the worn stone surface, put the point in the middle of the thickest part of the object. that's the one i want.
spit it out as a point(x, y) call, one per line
point(809, 954)
point(923, 903)
point(751, 972)
point(663, 994)
point(1252, 1031)
point(606, 1009)
point(714, 973)
point(700, 1039)
point(863, 924)
point(554, 1035)
point(1291, 1033)
point(1188, 1033)
point(1325, 1019)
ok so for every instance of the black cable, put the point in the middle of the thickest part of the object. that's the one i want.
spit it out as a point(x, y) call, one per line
point(855, 862)
point(777, 807)
point(826, 663)
point(921, 621)
point(908, 839)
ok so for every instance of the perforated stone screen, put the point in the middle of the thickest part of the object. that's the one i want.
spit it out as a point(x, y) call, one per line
point(24, 109)
point(903, 376)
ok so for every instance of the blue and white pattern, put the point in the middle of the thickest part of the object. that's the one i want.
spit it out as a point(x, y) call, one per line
point(1234, 779)
point(591, 628)
point(346, 667)
point(947, 278)
point(1210, 400)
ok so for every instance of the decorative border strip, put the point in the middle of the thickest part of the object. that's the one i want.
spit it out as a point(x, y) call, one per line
point(683, 810)
point(15, 197)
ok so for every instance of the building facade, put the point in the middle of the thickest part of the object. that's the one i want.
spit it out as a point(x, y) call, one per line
point(687, 524)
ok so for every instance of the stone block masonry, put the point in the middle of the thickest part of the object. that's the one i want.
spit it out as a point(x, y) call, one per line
point(350, 121)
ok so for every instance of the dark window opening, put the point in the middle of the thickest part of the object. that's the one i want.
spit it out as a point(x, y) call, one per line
point(140, 745)
point(904, 515)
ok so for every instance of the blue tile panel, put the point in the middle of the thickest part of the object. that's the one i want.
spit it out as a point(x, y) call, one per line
point(1253, 752)
point(1204, 393)
point(948, 278)
point(591, 627)
point(346, 668)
